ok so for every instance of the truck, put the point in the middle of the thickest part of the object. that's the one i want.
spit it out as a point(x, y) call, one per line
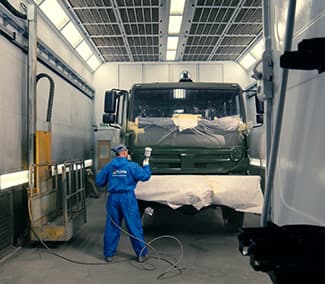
point(197, 131)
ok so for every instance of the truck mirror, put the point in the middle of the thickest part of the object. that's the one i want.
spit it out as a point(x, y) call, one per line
point(259, 106)
point(110, 102)
point(259, 118)
point(109, 118)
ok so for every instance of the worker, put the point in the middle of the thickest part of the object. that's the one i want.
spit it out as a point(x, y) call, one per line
point(122, 176)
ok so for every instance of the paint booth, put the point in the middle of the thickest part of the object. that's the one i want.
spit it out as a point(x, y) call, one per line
point(60, 58)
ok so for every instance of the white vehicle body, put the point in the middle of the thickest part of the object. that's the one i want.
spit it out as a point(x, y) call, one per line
point(298, 194)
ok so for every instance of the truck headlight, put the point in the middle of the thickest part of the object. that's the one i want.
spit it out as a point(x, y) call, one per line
point(236, 154)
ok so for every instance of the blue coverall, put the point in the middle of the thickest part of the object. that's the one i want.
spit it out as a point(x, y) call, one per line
point(122, 177)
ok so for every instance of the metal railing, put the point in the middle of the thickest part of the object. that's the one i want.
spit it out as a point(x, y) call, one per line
point(74, 193)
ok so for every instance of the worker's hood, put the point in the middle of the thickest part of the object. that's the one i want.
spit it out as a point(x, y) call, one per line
point(119, 162)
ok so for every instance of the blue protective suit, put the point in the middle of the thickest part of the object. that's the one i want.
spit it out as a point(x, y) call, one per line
point(122, 177)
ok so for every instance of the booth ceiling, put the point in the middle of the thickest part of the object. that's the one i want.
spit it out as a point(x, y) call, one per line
point(139, 30)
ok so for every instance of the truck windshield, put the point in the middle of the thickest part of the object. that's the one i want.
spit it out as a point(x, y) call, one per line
point(208, 103)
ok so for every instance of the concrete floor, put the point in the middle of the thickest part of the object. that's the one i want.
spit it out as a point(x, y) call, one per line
point(210, 254)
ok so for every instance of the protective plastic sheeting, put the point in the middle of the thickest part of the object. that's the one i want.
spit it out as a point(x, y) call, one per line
point(242, 193)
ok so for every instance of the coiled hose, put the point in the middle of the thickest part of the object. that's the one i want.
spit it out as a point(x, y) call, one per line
point(173, 266)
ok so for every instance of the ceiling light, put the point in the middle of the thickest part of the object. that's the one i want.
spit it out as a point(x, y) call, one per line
point(93, 62)
point(247, 60)
point(55, 13)
point(84, 50)
point(71, 33)
point(174, 26)
point(258, 49)
point(13, 179)
point(170, 54)
point(172, 42)
point(177, 7)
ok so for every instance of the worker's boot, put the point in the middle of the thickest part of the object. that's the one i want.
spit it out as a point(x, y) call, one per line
point(108, 258)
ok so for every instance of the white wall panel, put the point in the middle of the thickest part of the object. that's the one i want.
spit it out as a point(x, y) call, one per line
point(11, 149)
point(12, 103)
point(210, 73)
point(234, 73)
point(129, 75)
point(155, 73)
point(71, 117)
point(106, 78)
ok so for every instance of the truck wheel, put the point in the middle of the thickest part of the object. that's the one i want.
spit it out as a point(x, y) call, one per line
point(233, 220)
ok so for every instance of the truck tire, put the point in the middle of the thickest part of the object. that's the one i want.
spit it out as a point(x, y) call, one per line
point(233, 220)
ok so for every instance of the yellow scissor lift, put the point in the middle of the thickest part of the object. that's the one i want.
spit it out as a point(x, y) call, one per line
point(56, 194)
point(56, 215)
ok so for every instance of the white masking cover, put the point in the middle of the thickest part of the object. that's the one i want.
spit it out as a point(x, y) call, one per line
point(242, 193)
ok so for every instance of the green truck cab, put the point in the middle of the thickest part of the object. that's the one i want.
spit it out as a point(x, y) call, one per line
point(192, 128)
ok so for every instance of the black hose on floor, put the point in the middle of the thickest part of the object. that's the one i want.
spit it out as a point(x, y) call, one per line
point(173, 266)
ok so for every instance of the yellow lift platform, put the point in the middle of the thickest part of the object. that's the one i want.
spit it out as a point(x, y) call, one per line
point(56, 194)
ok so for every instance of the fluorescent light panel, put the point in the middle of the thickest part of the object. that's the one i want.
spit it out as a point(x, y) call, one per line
point(84, 50)
point(13, 179)
point(174, 27)
point(170, 54)
point(175, 23)
point(93, 62)
point(55, 13)
point(71, 33)
point(247, 60)
point(59, 18)
point(177, 7)
point(258, 49)
point(172, 42)
point(21, 177)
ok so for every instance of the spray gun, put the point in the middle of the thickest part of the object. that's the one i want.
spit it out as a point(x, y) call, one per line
point(147, 154)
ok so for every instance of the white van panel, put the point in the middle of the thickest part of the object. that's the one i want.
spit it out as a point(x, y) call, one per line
point(299, 186)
